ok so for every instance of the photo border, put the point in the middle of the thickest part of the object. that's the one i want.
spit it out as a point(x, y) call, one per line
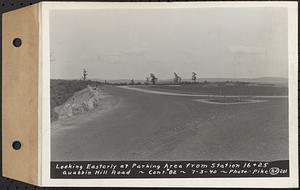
point(44, 109)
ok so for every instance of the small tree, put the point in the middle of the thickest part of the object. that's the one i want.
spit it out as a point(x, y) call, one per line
point(132, 82)
point(194, 78)
point(84, 74)
point(147, 80)
point(177, 79)
point(153, 78)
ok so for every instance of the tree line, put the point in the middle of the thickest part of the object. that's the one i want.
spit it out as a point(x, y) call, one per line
point(152, 79)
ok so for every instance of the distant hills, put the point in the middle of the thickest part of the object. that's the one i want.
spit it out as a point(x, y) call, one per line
point(265, 80)
point(271, 80)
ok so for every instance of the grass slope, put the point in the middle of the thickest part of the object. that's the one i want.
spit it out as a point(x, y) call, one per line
point(222, 88)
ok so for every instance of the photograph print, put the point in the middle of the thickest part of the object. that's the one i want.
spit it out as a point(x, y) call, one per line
point(143, 92)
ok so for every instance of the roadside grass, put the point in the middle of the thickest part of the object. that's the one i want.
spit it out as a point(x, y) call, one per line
point(62, 90)
point(223, 88)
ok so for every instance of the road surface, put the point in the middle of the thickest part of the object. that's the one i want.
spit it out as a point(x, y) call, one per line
point(147, 126)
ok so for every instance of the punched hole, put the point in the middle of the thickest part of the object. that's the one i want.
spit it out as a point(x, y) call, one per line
point(16, 145)
point(17, 42)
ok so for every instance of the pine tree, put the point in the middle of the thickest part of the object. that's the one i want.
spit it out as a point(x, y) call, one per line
point(194, 78)
point(153, 78)
point(84, 74)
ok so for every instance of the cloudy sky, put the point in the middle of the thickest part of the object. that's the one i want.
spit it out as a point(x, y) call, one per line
point(125, 44)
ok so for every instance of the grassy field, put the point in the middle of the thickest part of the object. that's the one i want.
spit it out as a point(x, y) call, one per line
point(61, 90)
point(223, 88)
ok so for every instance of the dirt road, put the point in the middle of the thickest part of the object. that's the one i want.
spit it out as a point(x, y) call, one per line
point(145, 126)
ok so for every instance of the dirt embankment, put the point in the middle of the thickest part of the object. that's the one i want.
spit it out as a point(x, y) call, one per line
point(82, 101)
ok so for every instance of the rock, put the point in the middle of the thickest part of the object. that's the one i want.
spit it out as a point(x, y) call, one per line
point(82, 101)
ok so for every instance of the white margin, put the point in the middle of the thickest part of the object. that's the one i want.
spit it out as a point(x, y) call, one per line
point(278, 182)
point(40, 95)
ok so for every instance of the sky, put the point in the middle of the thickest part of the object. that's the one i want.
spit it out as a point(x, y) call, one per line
point(131, 44)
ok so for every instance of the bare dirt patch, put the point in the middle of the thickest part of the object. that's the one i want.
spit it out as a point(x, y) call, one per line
point(66, 124)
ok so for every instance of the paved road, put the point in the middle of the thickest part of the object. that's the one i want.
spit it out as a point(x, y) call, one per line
point(145, 126)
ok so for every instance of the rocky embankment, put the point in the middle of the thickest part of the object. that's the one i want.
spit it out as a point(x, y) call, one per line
point(82, 101)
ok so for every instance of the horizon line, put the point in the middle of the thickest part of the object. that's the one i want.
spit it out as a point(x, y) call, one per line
point(234, 78)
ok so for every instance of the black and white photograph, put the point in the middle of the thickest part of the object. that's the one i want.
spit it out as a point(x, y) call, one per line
point(170, 85)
